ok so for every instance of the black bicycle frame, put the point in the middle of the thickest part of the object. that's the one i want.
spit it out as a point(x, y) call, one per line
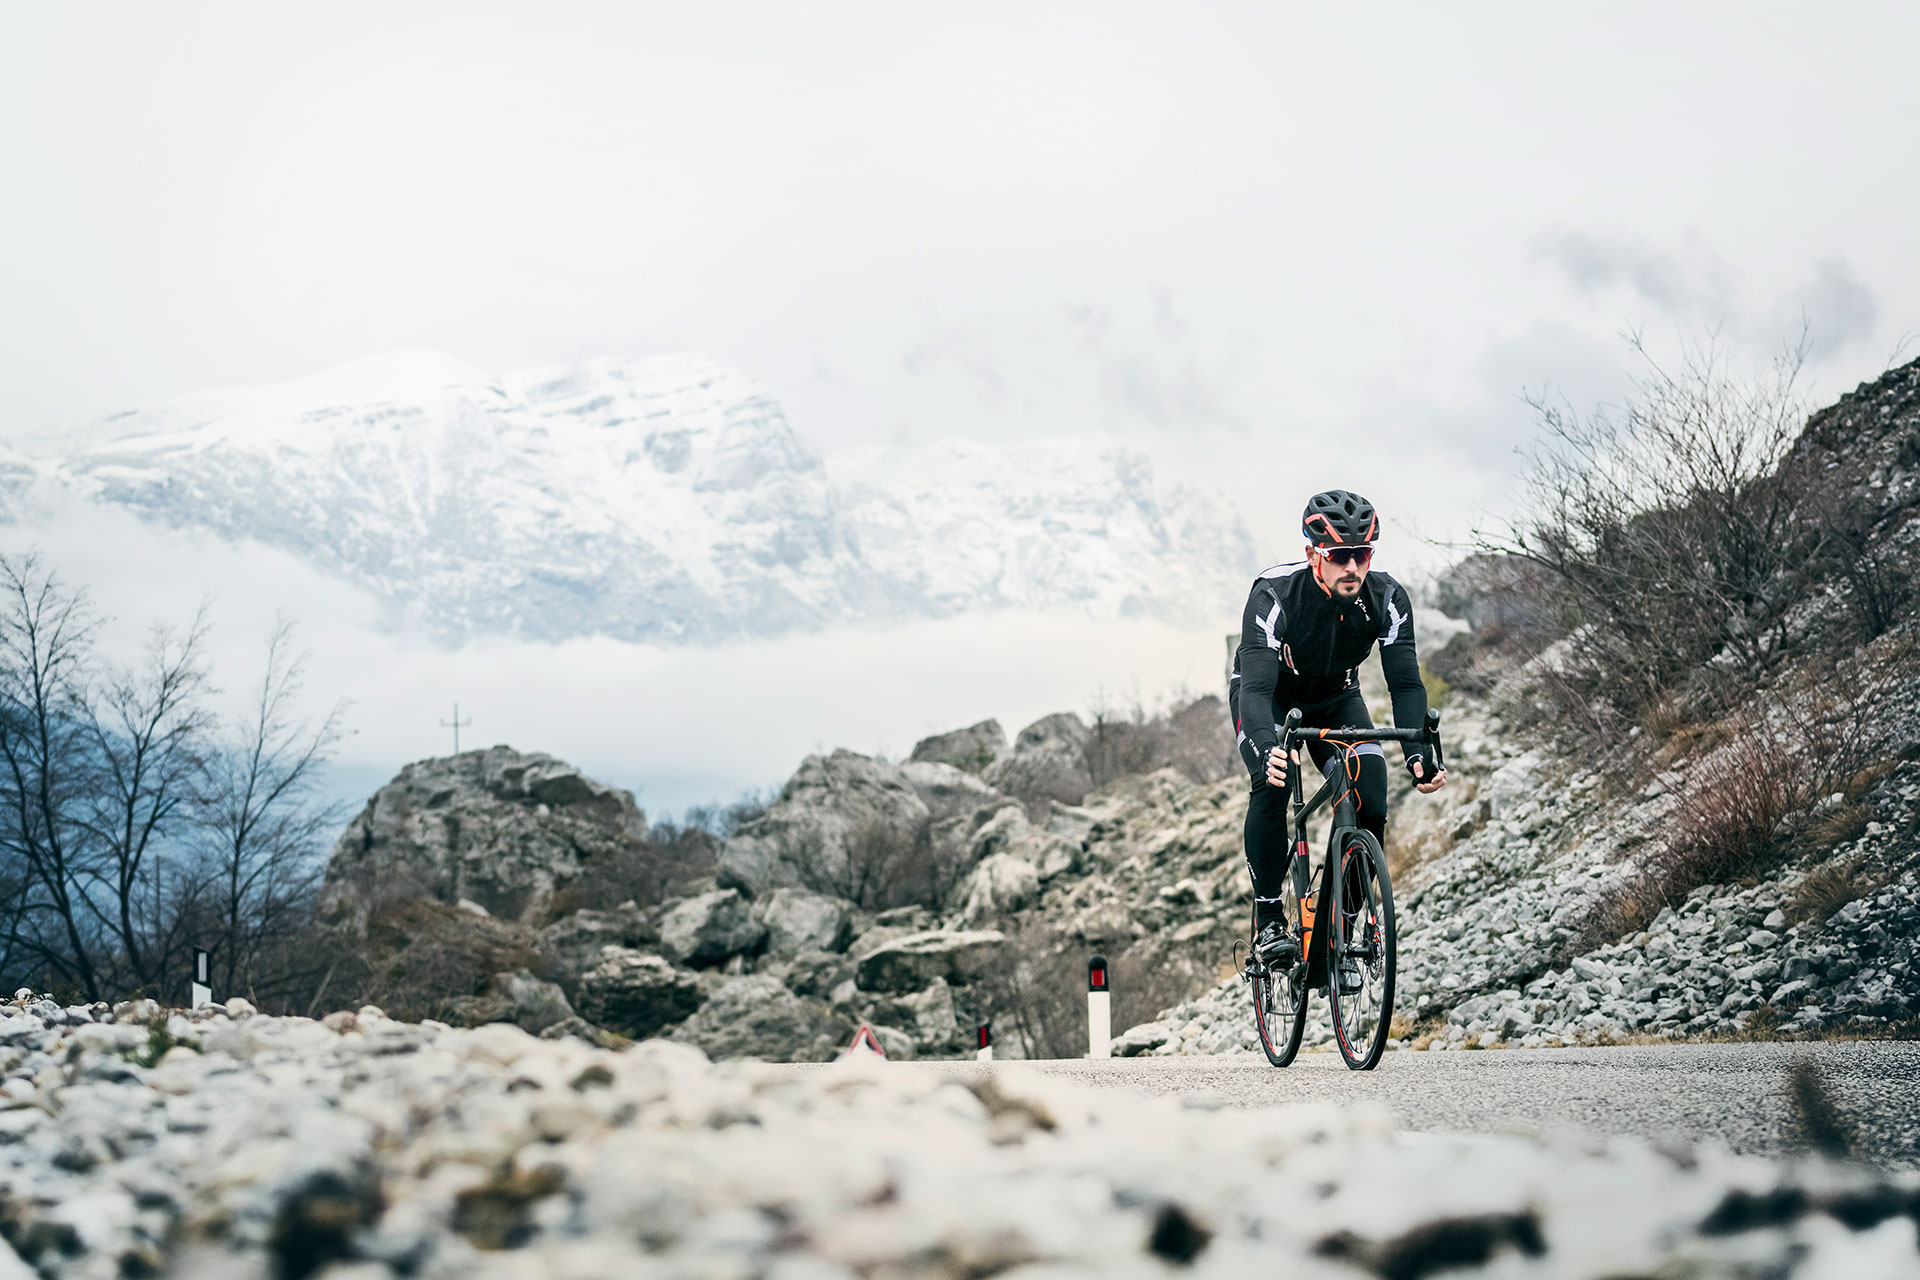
point(1344, 813)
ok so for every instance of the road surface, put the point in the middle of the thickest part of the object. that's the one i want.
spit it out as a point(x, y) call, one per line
point(1741, 1095)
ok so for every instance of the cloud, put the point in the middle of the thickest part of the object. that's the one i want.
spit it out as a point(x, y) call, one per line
point(1837, 307)
point(1694, 287)
point(1832, 305)
point(1150, 362)
point(678, 726)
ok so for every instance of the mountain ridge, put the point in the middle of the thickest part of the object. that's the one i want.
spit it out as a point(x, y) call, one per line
point(664, 499)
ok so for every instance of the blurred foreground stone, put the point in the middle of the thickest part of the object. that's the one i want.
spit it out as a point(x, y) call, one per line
point(231, 1146)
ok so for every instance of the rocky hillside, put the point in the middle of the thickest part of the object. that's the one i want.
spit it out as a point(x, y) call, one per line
point(969, 884)
point(1503, 869)
point(1749, 869)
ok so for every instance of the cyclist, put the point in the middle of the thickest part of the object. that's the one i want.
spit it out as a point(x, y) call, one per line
point(1306, 629)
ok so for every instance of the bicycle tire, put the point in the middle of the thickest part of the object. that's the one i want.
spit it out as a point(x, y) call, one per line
point(1361, 1017)
point(1280, 1000)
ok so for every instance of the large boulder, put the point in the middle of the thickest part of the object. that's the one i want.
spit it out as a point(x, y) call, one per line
point(819, 973)
point(929, 1016)
point(500, 828)
point(571, 945)
point(949, 792)
point(1000, 885)
point(757, 1017)
point(797, 921)
point(972, 748)
point(710, 927)
point(834, 814)
point(913, 962)
point(635, 993)
point(1009, 833)
point(1048, 762)
point(517, 997)
point(960, 804)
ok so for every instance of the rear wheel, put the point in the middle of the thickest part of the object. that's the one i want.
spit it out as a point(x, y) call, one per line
point(1280, 995)
point(1360, 941)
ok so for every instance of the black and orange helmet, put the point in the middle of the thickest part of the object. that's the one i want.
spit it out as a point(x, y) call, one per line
point(1338, 518)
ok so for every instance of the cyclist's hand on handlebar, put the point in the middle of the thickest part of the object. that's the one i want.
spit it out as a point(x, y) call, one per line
point(1277, 766)
point(1421, 782)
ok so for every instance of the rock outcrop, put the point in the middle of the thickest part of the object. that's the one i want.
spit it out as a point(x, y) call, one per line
point(635, 993)
point(760, 1017)
point(710, 927)
point(517, 997)
point(1048, 762)
point(797, 922)
point(973, 748)
point(499, 828)
point(830, 809)
point(917, 960)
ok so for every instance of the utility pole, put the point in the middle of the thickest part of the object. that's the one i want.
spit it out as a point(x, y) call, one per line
point(455, 724)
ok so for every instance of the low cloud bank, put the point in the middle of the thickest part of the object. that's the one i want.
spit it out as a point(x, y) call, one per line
point(678, 726)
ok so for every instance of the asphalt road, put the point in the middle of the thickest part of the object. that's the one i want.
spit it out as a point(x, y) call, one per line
point(1740, 1095)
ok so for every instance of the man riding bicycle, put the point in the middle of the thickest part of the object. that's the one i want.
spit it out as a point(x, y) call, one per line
point(1306, 629)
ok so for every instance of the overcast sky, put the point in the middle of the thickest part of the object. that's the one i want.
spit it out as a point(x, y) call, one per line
point(1281, 247)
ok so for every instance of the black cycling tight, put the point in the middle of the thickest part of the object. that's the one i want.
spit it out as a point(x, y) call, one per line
point(1266, 831)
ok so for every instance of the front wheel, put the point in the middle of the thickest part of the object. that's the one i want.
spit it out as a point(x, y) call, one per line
point(1360, 944)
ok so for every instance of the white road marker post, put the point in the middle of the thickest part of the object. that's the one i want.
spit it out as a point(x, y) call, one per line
point(201, 994)
point(986, 1043)
point(1099, 1009)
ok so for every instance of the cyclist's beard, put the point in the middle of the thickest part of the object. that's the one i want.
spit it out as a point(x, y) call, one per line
point(1342, 582)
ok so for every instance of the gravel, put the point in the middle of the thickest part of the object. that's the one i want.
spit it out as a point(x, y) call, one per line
point(357, 1148)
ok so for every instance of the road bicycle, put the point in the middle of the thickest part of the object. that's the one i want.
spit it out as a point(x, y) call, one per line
point(1343, 926)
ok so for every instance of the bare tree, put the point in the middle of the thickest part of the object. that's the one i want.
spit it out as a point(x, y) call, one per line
point(1667, 534)
point(46, 640)
point(265, 835)
point(149, 743)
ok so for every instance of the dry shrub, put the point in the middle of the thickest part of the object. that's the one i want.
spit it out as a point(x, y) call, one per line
point(1748, 806)
point(1148, 981)
point(643, 872)
point(882, 865)
point(1829, 887)
point(1409, 847)
point(1721, 830)
point(420, 954)
point(1192, 737)
point(1667, 533)
point(1038, 995)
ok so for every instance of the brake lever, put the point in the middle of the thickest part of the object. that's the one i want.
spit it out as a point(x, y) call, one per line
point(1433, 737)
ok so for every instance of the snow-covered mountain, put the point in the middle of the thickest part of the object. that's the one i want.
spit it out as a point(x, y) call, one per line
point(662, 500)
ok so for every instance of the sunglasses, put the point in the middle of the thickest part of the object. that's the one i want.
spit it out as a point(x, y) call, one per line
point(1348, 555)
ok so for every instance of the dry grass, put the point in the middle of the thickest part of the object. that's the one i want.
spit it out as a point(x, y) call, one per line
point(1829, 887)
point(1745, 802)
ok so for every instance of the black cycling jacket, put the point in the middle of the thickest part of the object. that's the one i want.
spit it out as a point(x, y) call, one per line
point(1300, 646)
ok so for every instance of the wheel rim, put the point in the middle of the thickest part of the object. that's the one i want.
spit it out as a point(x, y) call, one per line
point(1362, 972)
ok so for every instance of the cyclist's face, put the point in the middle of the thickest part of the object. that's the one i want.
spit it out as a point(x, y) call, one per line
point(1342, 580)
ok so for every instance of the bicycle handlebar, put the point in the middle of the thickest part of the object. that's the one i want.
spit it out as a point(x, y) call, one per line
point(1428, 733)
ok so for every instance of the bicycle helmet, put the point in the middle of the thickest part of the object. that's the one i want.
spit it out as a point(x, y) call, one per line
point(1337, 517)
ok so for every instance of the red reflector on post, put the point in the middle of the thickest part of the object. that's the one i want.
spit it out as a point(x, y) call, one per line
point(986, 1035)
point(1097, 974)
